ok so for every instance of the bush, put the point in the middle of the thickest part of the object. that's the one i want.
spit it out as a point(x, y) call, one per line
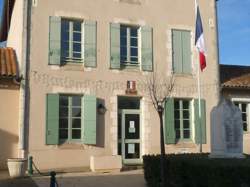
point(197, 170)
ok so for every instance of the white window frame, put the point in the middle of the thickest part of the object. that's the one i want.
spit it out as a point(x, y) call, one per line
point(70, 58)
point(128, 62)
point(247, 101)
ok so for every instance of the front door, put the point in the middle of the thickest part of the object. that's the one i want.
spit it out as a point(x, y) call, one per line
point(130, 136)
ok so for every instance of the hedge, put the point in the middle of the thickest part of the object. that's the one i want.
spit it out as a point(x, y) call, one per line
point(197, 170)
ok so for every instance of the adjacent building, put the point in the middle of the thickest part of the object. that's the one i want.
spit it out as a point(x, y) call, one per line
point(85, 64)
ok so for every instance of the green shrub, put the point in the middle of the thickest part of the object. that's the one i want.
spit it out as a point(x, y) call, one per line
point(197, 170)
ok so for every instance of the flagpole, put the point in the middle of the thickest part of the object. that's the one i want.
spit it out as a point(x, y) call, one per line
point(199, 101)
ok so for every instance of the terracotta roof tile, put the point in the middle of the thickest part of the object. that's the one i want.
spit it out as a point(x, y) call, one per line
point(233, 76)
point(8, 63)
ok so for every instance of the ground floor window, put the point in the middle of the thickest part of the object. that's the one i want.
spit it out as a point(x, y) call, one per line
point(182, 114)
point(245, 111)
point(70, 117)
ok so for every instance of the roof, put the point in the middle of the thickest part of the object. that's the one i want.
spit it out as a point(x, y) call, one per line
point(8, 63)
point(8, 6)
point(233, 76)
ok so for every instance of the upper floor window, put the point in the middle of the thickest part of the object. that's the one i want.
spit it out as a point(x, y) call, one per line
point(245, 112)
point(129, 45)
point(181, 49)
point(71, 40)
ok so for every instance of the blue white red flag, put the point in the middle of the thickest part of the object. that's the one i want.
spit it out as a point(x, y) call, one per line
point(199, 39)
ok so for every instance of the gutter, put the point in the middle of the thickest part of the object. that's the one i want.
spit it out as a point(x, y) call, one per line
point(24, 85)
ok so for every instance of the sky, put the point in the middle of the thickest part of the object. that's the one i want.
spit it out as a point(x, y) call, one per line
point(234, 31)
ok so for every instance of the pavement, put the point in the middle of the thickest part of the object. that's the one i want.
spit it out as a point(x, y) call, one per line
point(133, 178)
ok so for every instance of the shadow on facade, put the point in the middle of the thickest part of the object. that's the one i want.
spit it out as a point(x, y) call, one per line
point(100, 129)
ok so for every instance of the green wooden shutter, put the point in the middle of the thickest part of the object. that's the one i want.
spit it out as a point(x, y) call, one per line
point(147, 48)
point(203, 121)
point(52, 119)
point(89, 119)
point(177, 51)
point(90, 43)
point(186, 51)
point(169, 122)
point(55, 40)
point(115, 46)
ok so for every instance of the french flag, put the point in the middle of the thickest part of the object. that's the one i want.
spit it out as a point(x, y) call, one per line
point(199, 39)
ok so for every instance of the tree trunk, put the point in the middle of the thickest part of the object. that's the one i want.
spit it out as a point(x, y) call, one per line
point(163, 166)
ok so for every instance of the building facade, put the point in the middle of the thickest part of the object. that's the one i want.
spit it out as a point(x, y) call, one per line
point(86, 64)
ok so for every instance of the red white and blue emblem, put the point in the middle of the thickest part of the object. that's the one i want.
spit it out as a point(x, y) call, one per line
point(199, 39)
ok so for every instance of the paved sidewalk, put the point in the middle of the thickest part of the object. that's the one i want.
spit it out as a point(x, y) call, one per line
point(121, 179)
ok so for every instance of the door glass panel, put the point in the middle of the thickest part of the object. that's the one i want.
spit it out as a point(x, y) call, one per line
point(132, 150)
point(132, 126)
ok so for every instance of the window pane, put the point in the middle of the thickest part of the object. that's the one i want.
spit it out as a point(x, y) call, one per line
point(63, 134)
point(124, 51)
point(63, 112)
point(236, 104)
point(77, 55)
point(76, 123)
point(63, 123)
point(123, 58)
point(186, 134)
point(186, 124)
point(76, 112)
point(134, 52)
point(245, 126)
point(65, 35)
point(244, 117)
point(77, 37)
point(76, 134)
point(134, 42)
point(185, 104)
point(123, 41)
point(76, 100)
point(177, 134)
point(123, 31)
point(177, 124)
point(133, 32)
point(185, 114)
point(77, 47)
point(177, 114)
point(63, 100)
point(176, 104)
point(134, 60)
point(244, 107)
point(77, 26)
point(65, 25)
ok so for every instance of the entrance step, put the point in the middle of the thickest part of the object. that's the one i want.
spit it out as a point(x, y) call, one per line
point(105, 163)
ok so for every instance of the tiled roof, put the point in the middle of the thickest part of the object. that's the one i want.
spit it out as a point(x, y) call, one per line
point(8, 63)
point(233, 76)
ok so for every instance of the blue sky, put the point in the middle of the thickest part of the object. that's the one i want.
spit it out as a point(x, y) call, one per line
point(234, 31)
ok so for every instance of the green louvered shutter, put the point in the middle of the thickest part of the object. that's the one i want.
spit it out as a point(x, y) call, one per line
point(177, 51)
point(186, 52)
point(169, 122)
point(115, 46)
point(52, 119)
point(89, 119)
point(203, 121)
point(90, 43)
point(147, 48)
point(55, 40)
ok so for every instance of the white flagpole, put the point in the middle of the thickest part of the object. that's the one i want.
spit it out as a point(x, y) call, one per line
point(199, 92)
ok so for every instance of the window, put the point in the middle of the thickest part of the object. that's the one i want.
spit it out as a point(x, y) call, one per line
point(244, 107)
point(181, 46)
point(70, 117)
point(182, 119)
point(71, 41)
point(129, 45)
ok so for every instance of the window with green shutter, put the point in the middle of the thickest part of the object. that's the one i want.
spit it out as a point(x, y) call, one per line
point(181, 49)
point(72, 41)
point(126, 49)
point(71, 118)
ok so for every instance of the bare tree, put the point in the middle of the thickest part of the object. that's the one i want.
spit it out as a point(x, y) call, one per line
point(160, 89)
